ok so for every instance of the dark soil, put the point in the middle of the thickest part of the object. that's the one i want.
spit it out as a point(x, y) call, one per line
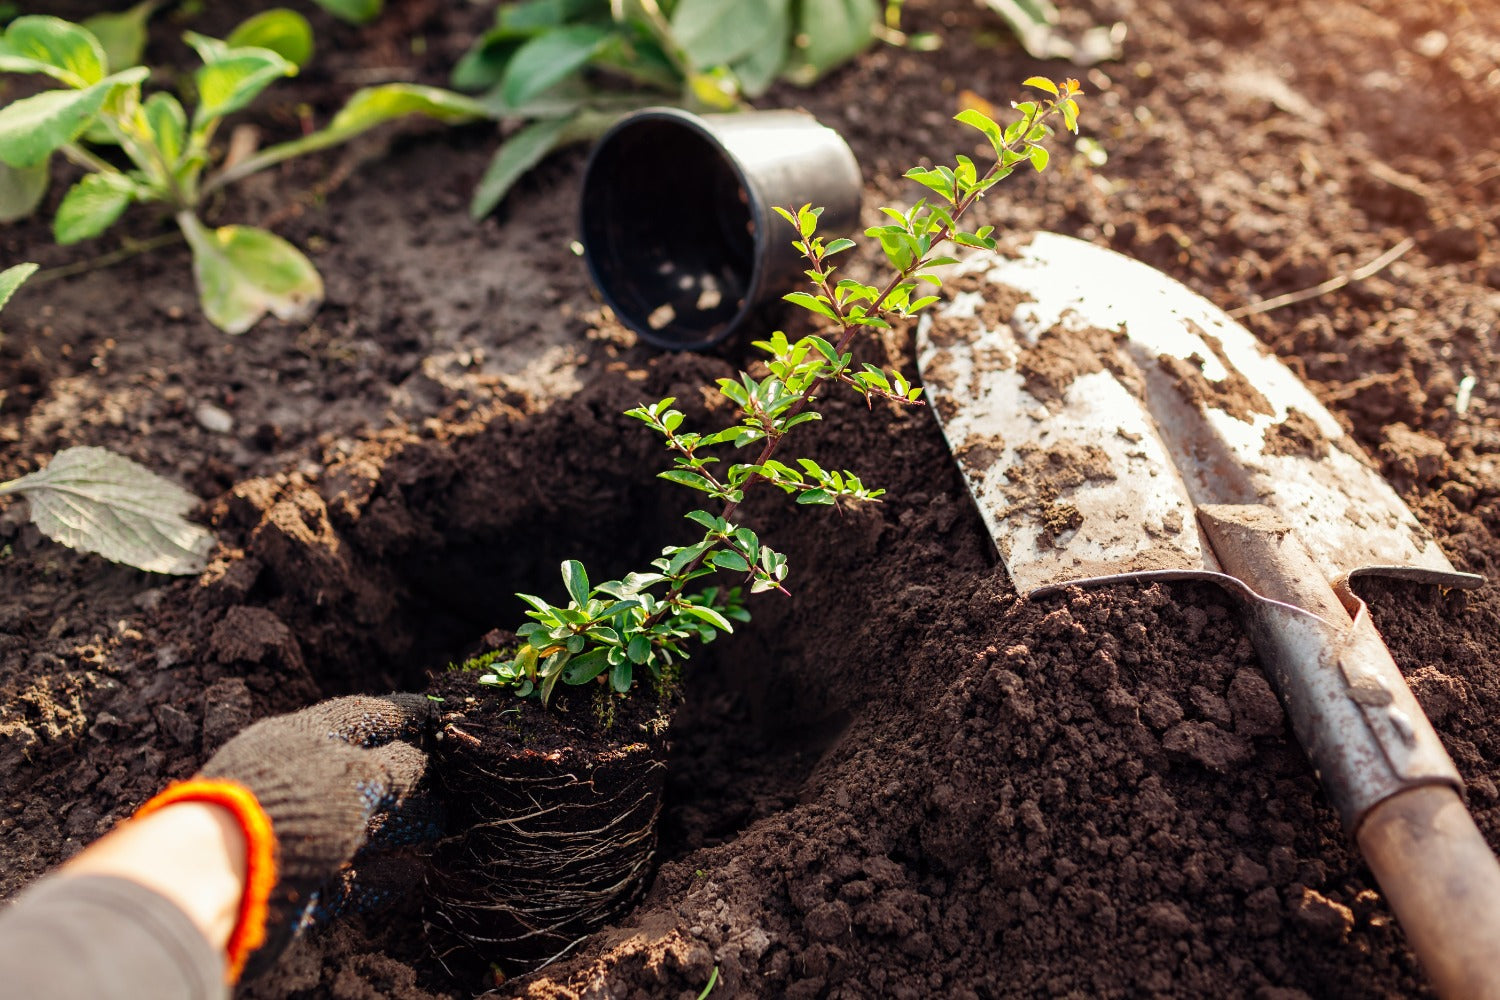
point(904, 781)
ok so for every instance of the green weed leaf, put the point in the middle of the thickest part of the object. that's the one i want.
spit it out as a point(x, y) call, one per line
point(22, 190)
point(353, 11)
point(760, 68)
point(122, 35)
point(518, 154)
point(64, 51)
point(93, 500)
point(483, 66)
point(31, 128)
point(284, 32)
point(719, 32)
point(91, 206)
point(232, 78)
point(548, 58)
point(244, 272)
point(168, 125)
point(830, 32)
point(12, 278)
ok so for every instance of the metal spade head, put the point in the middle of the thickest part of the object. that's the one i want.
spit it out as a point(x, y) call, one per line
point(1093, 404)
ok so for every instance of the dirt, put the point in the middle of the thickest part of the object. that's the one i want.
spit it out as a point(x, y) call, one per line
point(903, 781)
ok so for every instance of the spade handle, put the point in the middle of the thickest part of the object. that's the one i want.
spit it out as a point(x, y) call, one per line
point(1377, 755)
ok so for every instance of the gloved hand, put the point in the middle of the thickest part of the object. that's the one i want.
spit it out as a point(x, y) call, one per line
point(309, 789)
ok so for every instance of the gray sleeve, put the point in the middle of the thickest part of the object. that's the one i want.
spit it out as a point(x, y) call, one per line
point(95, 937)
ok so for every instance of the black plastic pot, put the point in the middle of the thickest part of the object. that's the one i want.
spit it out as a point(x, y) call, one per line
point(677, 220)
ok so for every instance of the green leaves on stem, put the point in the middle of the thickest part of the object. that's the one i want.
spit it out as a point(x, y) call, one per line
point(605, 633)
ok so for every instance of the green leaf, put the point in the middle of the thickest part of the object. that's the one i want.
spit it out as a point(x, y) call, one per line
point(536, 15)
point(91, 206)
point(244, 272)
point(983, 122)
point(815, 497)
point(61, 49)
point(12, 278)
point(1039, 158)
point(719, 32)
point(168, 125)
point(123, 35)
point(576, 579)
point(709, 615)
point(232, 78)
point(684, 478)
point(620, 677)
point(830, 32)
point(93, 500)
point(22, 190)
point(585, 667)
point(1040, 83)
point(732, 561)
point(31, 128)
point(548, 58)
point(639, 649)
point(376, 105)
point(353, 11)
point(483, 66)
point(518, 154)
point(758, 70)
point(284, 32)
point(811, 303)
point(551, 672)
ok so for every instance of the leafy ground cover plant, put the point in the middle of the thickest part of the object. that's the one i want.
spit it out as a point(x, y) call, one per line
point(569, 68)
point(148, 148)
point(93, 500)
point(618, 633)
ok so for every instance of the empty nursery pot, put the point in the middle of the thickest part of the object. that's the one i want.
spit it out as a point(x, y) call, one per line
point(677, 216)
point(555, 814)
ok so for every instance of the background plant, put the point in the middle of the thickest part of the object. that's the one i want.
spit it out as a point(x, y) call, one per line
point(608, 631)
point(569, 68)
point(138, 148)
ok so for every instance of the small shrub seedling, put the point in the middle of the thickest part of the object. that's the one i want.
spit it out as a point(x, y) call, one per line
point(149, 149)
point(616, 632)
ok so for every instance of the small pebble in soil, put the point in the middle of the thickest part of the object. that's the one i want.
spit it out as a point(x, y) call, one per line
point(213, 419)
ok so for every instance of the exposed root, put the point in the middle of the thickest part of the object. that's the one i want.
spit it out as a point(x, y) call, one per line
point(555, 844)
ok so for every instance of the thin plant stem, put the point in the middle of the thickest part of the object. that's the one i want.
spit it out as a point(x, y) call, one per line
point(848, 331)
point(132, 248)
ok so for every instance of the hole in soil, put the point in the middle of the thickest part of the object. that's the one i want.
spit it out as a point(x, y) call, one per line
point(389, 582)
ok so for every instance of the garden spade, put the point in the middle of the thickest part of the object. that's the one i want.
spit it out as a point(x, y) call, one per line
point(1112, 425)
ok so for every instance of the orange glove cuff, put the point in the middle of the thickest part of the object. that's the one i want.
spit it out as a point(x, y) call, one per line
point(260, 857)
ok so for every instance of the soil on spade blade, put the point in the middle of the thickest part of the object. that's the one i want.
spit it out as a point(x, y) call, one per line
point(904, 781)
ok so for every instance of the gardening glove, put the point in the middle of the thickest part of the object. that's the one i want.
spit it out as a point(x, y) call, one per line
point(309, 790)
